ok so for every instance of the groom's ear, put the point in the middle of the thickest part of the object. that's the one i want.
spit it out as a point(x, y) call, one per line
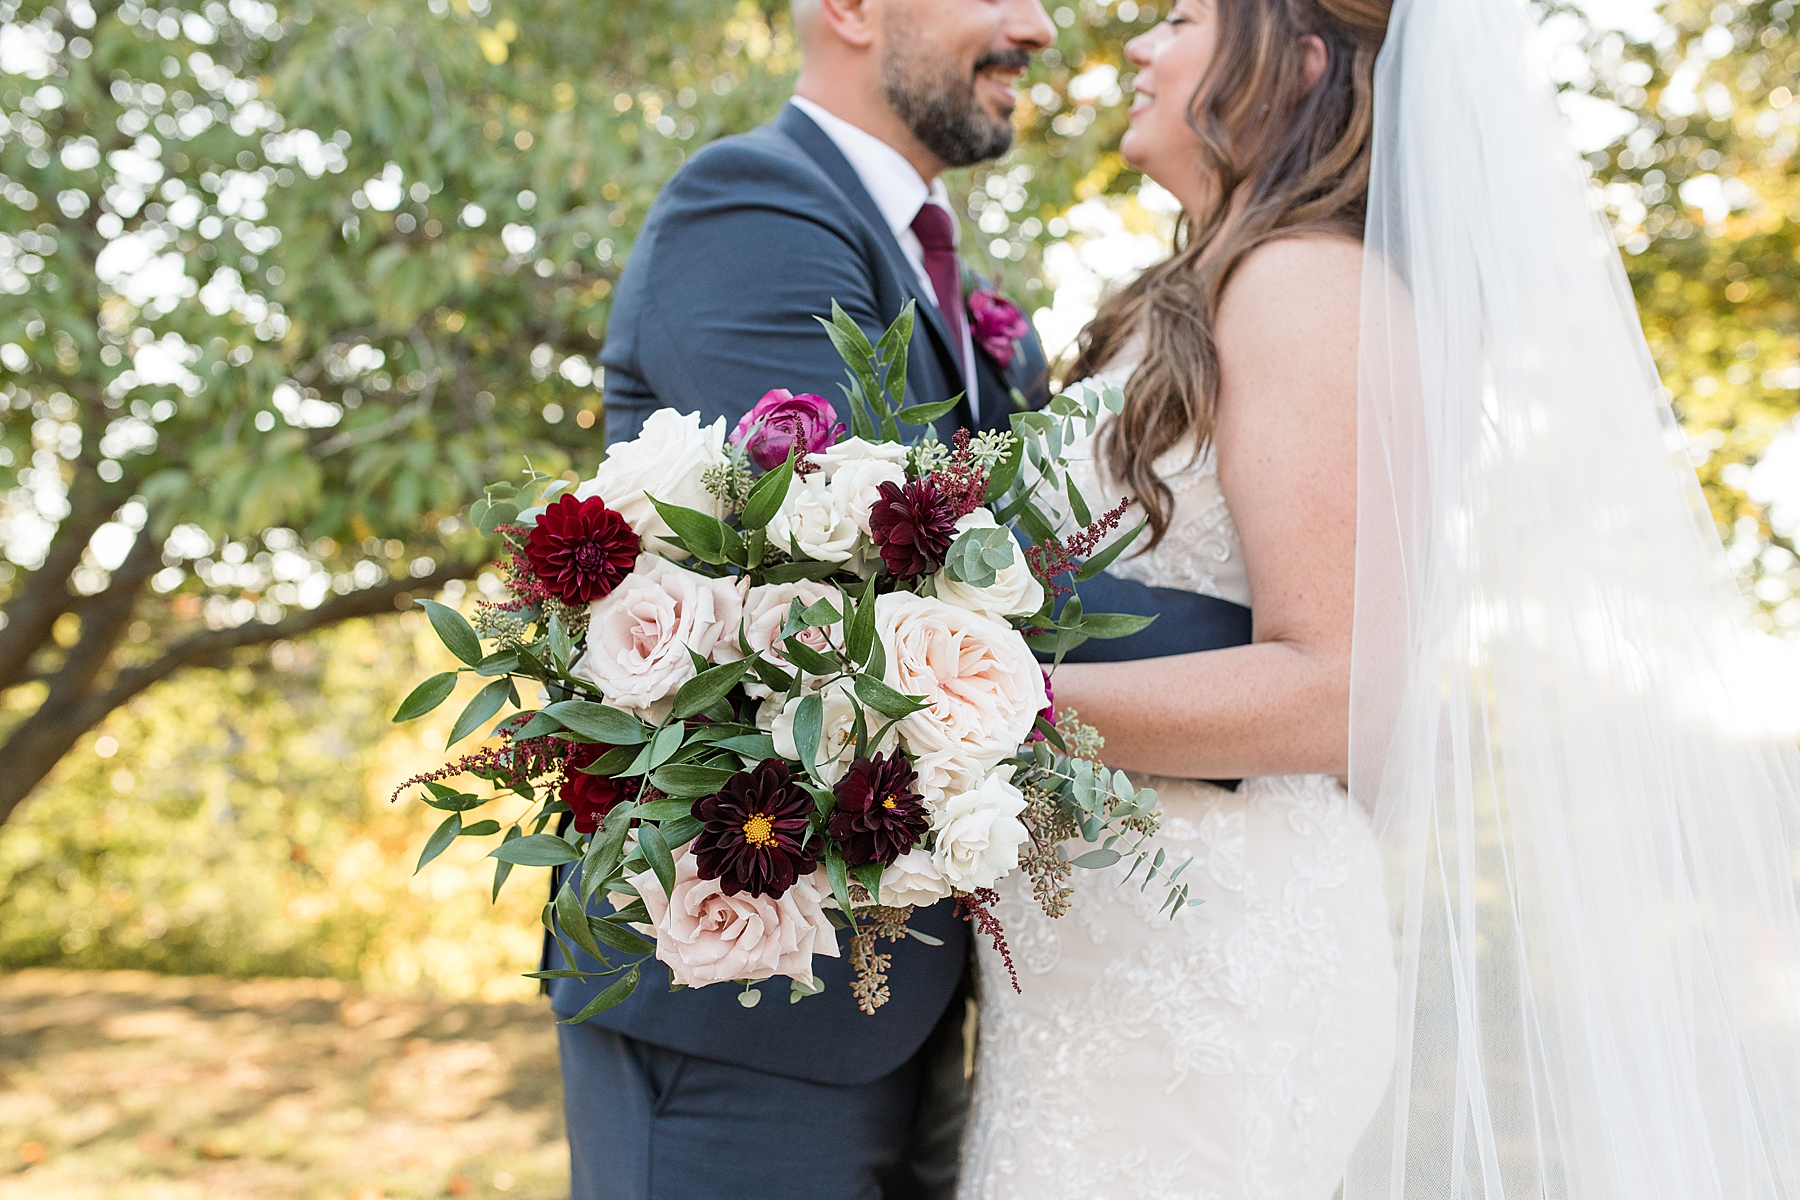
point(853, 22)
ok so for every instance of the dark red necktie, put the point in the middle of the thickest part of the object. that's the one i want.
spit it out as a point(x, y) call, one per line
point(936, 231)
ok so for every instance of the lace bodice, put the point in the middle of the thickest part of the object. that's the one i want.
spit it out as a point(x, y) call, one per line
point(1201, 552)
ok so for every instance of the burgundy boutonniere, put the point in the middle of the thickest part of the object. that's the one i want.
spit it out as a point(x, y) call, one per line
point(997, 325)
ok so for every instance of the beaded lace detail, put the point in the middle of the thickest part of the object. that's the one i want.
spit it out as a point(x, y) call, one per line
point(1233, 1052)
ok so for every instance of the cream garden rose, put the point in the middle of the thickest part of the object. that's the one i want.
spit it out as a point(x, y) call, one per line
point(979, 833)
point(667, 461)
point(982, 688)
point(913, 878)
point(639, 636)
point(1015, 590)
point(706, 936)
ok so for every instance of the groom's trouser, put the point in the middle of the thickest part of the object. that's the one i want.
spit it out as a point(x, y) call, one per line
point(646, 1123)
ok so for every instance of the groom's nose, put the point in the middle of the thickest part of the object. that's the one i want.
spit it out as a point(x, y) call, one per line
point(1028, 26)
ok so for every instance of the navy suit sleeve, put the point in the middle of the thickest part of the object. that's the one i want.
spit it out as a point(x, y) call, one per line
point(744, 259)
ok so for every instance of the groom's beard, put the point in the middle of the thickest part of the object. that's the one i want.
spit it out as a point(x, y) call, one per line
point(938, 104)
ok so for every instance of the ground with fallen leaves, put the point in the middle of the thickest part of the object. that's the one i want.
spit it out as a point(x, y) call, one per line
point(131, 1086)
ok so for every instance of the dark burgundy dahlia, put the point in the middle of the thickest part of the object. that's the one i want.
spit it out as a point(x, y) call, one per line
point(581, 549)
point(913, 527)
point(879, 814)
point(590, 797)
point(755, 832)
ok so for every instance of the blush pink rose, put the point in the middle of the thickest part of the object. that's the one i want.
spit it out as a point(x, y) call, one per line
point(982, 687)
point(765, 614)
point(639, 636)
point(779, 420)
point(707, 937)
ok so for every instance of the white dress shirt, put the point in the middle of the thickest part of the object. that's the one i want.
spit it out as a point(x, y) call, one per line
point(899, 193)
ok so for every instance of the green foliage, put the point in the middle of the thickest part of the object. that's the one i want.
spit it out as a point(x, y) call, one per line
point(1706, 193)
point(238, 823)
point(290, 283)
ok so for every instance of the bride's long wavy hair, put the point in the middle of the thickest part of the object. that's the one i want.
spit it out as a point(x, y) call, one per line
point(1280, 159)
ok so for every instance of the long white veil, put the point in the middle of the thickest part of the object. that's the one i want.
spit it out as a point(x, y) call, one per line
point(1590, 835)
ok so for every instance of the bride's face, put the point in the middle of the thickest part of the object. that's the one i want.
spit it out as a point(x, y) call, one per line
point(1171, 61)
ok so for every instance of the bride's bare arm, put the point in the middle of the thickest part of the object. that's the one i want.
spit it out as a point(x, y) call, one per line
point(1286, 440)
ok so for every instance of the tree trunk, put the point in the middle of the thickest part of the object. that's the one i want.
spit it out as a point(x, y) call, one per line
point(77, 703)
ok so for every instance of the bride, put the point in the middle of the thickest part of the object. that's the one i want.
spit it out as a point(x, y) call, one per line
point(1504, 907)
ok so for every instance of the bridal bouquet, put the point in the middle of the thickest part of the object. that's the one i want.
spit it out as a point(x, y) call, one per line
point(786, 685)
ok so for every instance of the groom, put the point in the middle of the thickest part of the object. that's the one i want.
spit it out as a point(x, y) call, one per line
point(689, 1095)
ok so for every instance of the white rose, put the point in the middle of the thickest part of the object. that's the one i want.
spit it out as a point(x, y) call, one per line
point(857, 469)
point(666, 460)
point(979, 833)
point(853, 450)
point(639, 636)
point(837, 739)
point(943, 774)
point(982, 687)
point(765, 615)
point(913, 878)
point(1015, 590)
point(814, 518)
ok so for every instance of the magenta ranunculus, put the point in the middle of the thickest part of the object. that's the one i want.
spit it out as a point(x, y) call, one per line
point(997, 325)
point(1049, 713)
point(779, 420)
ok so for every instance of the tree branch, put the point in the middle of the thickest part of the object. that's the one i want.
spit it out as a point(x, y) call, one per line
point(215, 646)
point(37, 744)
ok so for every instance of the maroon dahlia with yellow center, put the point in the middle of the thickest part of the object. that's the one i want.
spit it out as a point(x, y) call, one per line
point(581, 549)
point(913, 526)
point(754, 839)
point(879, 815)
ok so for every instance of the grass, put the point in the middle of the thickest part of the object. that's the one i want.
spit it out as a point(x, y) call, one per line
point(124, 1085)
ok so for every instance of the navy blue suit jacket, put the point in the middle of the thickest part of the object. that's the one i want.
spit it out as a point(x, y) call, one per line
point(752, 239)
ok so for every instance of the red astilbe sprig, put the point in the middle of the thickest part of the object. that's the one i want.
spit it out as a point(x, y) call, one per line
point(510, 764)
point(521, 580)
point(1054, 558)
point(962, 482)
point(978, 906)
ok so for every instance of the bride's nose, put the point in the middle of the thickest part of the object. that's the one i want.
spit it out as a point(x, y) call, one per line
point(1139, 51)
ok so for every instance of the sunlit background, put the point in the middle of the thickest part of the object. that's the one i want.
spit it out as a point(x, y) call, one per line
point(281, 285)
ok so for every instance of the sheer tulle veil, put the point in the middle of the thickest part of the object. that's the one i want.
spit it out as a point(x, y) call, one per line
point(1590, 836)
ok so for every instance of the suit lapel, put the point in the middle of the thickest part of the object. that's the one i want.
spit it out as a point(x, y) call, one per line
point(805, 133)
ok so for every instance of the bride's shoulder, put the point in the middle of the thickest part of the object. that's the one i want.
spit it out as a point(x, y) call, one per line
point(1300, 290)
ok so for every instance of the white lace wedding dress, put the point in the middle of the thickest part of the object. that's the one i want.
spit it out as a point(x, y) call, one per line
point(1233, 1052)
